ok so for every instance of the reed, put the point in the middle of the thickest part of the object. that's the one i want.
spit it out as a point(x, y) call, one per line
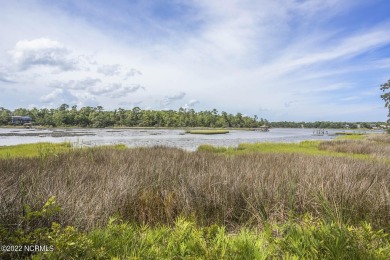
point(372, 147)
point(312, 200)
point(156, 185)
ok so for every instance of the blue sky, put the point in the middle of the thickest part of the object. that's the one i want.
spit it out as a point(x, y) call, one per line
point(292, 60)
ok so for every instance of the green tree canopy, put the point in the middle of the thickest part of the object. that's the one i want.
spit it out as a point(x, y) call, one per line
point(386, 96)
point(136, 117)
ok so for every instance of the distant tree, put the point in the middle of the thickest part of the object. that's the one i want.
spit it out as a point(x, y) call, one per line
point(5, 116)
point(66, 115)
point(386, 96)
point(63, 107)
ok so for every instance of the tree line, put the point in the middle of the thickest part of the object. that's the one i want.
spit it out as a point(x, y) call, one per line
point(97, 117)
point(136, 117)
point(327, 124)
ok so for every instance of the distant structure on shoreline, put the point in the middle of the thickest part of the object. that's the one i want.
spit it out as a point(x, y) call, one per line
point(21, 120)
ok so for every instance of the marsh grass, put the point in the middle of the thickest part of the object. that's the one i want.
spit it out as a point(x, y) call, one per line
point(305, 147)
point(208, 131)
point(349, 133)
point(351, 137)
point(380, 138)
point(375, 147)
point(305, 200)
point(157, 185)
point(34, 150)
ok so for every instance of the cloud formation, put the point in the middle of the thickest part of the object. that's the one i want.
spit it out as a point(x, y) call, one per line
point(170, 99)
point(190, 104)
point(61, 95)
point(109, 70)
point(123, 91)
point(6, 77)
point(75, 84)
point(293, 59)
point(132, 73)
point(42, 52)
point(193, 102)
point(115, 90)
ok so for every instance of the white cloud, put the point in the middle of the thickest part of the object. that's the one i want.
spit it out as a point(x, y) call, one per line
point(5, 76)
point(59, 95)
point(115, 90)
point(235, 56)
point(125, 90)
point(42, 52)
point(350, 98)
point(75, 84)
point(104, 89)
point(190, 104)
point(110, 70)
point(193, 102)
point(132, 73)
point(170, 99)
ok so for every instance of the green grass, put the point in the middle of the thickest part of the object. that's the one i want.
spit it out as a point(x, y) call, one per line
point(305, 238)
point(352, 137)
point(305, 147)
point(34, 150)
point(349, 133)
point(207, 131)
point(45, 149)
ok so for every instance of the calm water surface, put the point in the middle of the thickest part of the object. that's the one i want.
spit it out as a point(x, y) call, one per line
point(152, 137)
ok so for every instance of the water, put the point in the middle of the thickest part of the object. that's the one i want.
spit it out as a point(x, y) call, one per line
point(152, 137)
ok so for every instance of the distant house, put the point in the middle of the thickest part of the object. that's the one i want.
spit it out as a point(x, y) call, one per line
point(21, 120)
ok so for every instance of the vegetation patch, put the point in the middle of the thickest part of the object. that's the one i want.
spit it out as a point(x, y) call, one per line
point(352, 136)
point(374, 149)
point(208, 132)
point(156, 185)
point(303, 238)
point(169, 203)
point(379, 138)
point(211, 148)
point(349, 133)
point(34, 150)
point(305, 147)
point(46, 149)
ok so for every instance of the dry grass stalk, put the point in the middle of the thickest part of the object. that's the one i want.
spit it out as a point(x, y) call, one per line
point(155, 185)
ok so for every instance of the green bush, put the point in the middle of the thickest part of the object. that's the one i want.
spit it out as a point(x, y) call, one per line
point(316, 239)
point(308, 238)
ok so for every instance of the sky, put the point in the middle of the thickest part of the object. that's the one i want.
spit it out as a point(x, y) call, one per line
point(282, 60)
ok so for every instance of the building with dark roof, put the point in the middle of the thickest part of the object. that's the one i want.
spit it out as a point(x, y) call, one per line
point(21, 120)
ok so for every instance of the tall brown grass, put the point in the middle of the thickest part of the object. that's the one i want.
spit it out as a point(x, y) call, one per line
point(156, 185)
point(374, 145)
point(380, 138)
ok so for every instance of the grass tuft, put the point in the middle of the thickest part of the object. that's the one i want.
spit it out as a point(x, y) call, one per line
point(208, 132)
